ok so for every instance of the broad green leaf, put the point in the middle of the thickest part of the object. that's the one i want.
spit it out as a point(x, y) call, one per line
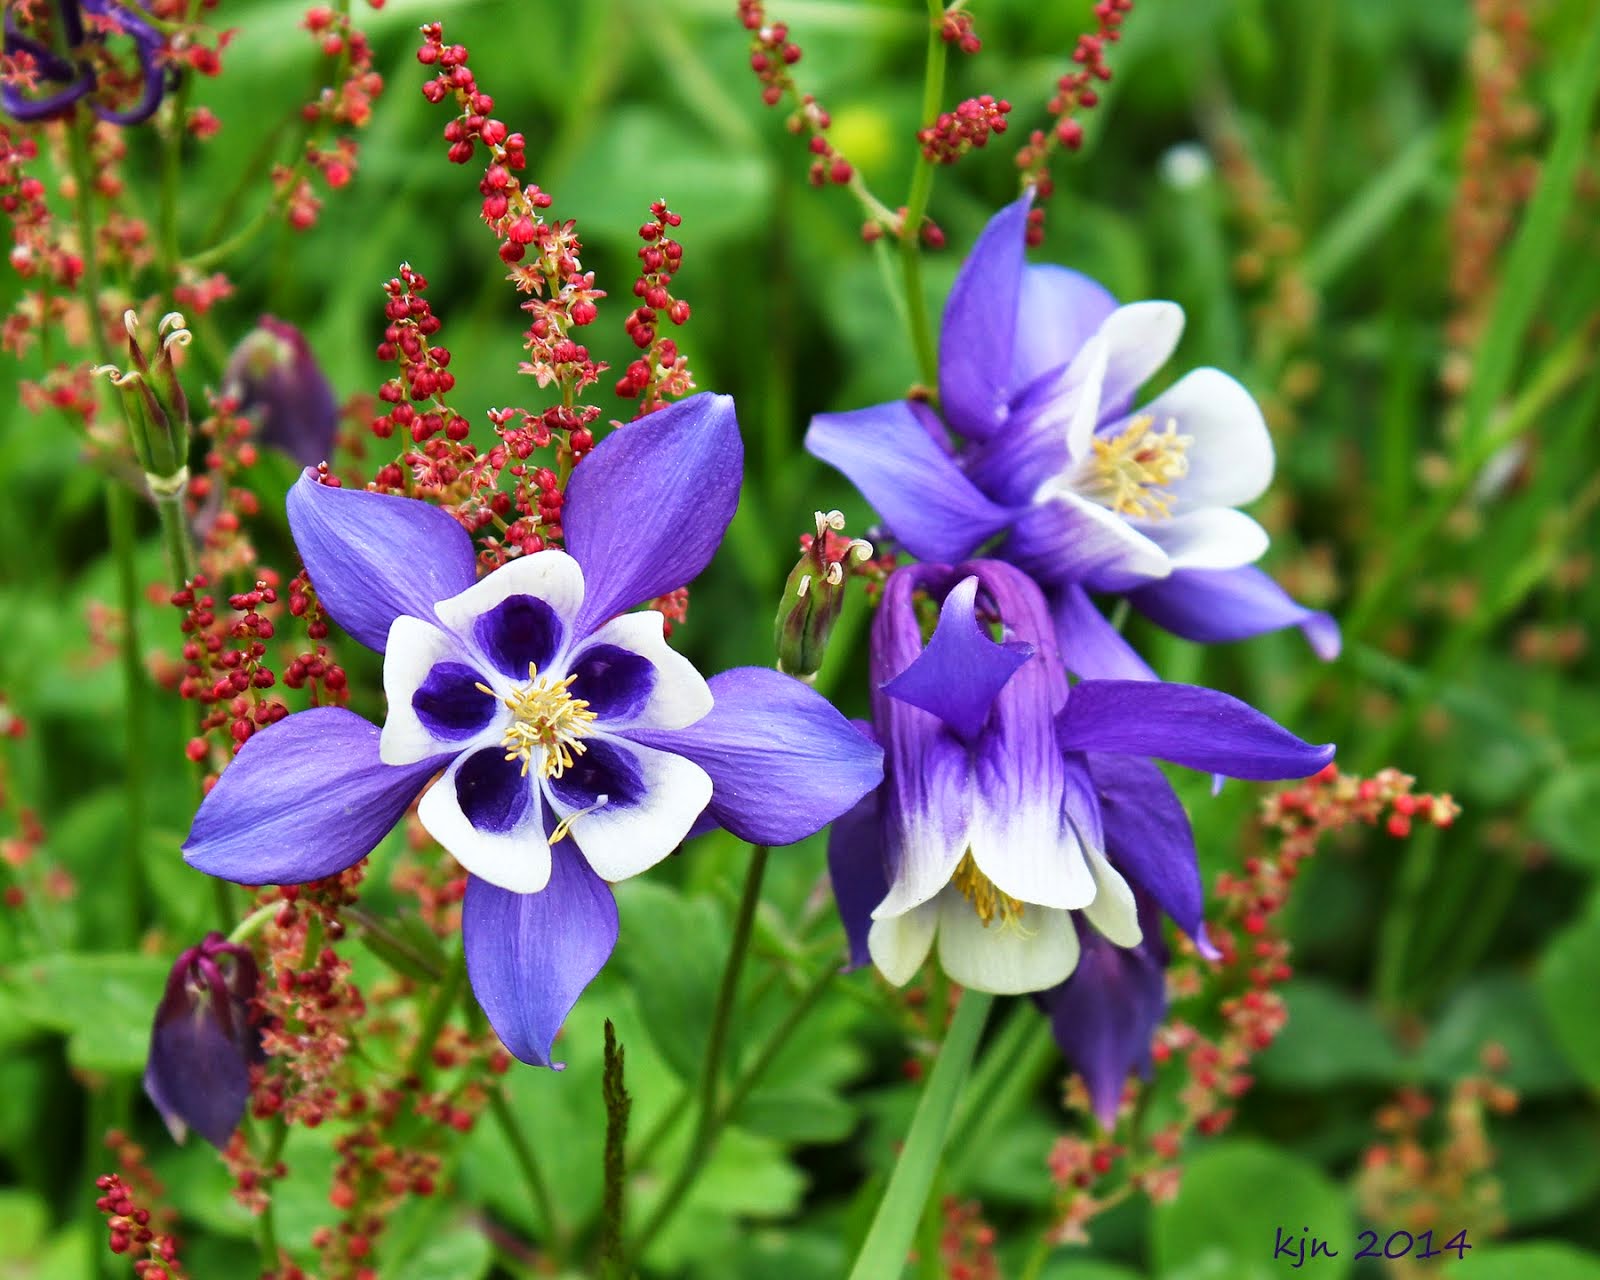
point(459, 1253)
point(1331, 1038)
point(672, 948)
point(1535, 1260)
point(795, 1114)
point(1087, 1269)
point(1233, 1202)
point(24, 1219)
point(1566, 980)
point(103, 1002)
point(1565, 814)
point(1503, 1009)
point(1547, 1166)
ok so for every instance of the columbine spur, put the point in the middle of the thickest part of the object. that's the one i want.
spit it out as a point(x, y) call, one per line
point(1015, 811)
point(573, 747)
point(1038, 372)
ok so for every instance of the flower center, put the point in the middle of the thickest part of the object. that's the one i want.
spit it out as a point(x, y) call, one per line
point(547, 723)
point(1131, 472)
point(986, 900)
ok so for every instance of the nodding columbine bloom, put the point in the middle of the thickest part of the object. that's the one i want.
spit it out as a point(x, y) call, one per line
point(573, 747)
point(1038, 370)
point(204, 1041)
point(1015, 813)
point(279, 384)
point(82, 24)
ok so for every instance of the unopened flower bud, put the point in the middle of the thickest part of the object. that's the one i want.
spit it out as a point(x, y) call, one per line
point(814, 596)
point(204, 1042)
point(277, 381)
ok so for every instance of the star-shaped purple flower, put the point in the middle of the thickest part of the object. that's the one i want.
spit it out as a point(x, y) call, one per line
point(573, 746)
point(1038, 373)
point(1015, 811)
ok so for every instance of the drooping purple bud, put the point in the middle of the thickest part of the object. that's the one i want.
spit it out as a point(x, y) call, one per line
point(277, 381)
point(1104, 1016)
point(204, 1041)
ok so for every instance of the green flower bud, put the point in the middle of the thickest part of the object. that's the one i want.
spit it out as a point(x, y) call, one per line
point(813, 597)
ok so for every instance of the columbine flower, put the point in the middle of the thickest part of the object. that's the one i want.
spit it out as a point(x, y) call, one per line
point(1012, 807)
point(1038, 370)
point(204, 1041)
point(573, 746)
point(77, 80)
point(278, 383)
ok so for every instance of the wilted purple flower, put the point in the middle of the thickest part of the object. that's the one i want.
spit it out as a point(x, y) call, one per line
point(204, 1041)
point(1038, 369)
point(76, 79)
point(1013, 810)
point(575, 747)
point(277, 381)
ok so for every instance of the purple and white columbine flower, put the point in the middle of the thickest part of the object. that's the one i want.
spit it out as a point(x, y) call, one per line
point(1014, 810)
point(574, 747)
point(1038, 370)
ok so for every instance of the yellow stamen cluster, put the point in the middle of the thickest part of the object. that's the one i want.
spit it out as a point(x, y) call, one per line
point(1131, 471)
point(547, 723)
point(980, 891)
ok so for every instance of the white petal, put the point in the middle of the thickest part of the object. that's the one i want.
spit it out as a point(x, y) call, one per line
point(1230, 455)
point(899, 944)
point(679, 695)
point(1079, 396)
point(1031, 954)
point(551, 576)
point(929, 818)
point(1141, 337)
point(1029, 852)
point(1211, 538)
point(517, 860)
point(413, 649)
point(1113, 912)
point(631, 833)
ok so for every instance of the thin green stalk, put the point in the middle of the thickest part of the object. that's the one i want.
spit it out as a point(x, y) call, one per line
point(706, 1127)
point(434, 1018)
point(769, 1051)
point(136, 709)
point(618, 1105)
point(917, 205)
point(528, 1165)
point(894, 1226)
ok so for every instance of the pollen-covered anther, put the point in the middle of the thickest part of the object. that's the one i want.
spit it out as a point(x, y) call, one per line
point(990, 904)
point(547, 724)
point(1132, 471)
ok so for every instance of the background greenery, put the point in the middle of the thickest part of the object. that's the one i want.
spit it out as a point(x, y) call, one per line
point(1410, 956)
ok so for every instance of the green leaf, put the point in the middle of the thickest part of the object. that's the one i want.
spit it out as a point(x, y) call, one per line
point(459, 1253)
point(1504, 1009)
point(1547, 1166)
point(103, 1003)
point(1565, 814)
point(1536, 1260)
point(797, 1114)
point(1088, 1269)
point(1331, 1038)
point(24, 1219)
point(1571, 997)
point(1234, 1199)
point(672, 947)
point(403, 943)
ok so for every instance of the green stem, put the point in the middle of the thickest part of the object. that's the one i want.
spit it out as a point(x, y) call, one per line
point(706, 1127)
point(266, 1224)
point(917, 206)
point(434, 1018)
point(208, 258)
point(894, 1226)
point(528, 1164)
point(618, 1105)
point(136, 709)
point(1033, 1268)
